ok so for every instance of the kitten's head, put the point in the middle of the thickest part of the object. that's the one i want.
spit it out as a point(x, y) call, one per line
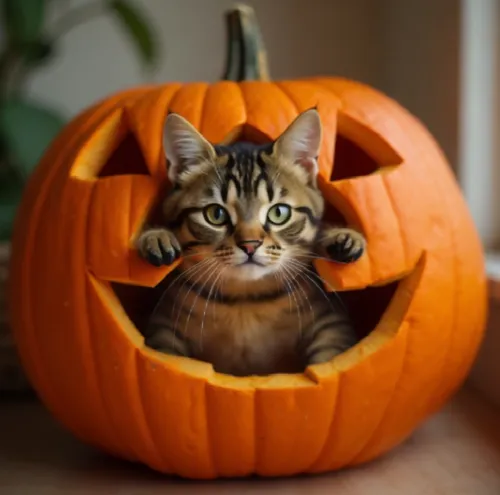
point(246, 209)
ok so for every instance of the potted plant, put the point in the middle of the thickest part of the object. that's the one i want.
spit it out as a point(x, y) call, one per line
point(27, 126)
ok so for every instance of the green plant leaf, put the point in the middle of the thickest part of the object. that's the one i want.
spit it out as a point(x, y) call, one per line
point(11, 188)
point(137, 27)
point(26, 129)
point(23, 19)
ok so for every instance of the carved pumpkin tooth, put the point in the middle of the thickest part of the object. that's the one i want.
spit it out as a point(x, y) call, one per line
point(79, 289)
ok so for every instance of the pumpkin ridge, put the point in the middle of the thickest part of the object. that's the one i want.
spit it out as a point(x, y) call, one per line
point(103, 292)
point(89, 119)
point(287, 95)
point(210, 435)
point(120, 441)
point(86, 336)
point(327, 442)
point(77, 379)
point(416, 274)
point(474, 337)
point(342, 366)
point(216, 103)
point(370, 439)
point(319, 81)
point(38, 376)
point(102, 112)
point(455, 305)
point(144, 419)
point(261, 98)
point(196, 102)
point(231, 414)
point(141, 121)
point(398, 309)
point(203, 106)
point(388, 191)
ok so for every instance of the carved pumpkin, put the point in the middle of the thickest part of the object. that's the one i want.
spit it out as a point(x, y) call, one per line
point(418, 294)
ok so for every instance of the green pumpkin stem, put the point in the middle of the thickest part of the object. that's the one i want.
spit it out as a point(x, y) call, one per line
point(246, 53)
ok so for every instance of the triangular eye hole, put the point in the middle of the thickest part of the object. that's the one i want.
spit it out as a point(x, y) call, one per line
point(350, 160)
point(359, 151)
point(126, 159)
point(112, 150)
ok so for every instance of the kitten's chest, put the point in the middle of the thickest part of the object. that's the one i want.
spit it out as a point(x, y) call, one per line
point(260, 337)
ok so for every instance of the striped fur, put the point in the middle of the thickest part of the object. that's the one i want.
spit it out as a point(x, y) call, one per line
point(246, 297)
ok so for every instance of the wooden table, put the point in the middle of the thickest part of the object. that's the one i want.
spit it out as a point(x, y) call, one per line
point(457, 452)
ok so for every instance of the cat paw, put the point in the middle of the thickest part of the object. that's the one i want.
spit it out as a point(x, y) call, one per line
point(344, 245)
point(159, 247)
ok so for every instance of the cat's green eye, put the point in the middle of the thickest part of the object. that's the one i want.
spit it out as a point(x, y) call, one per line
point(216, 215)
point(279, 214)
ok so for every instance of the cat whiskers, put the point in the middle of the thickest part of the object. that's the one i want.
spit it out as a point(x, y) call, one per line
point(299, 255)
point(295, 271)
point(203, 267)
point(214, 284)
point(217, 291)
point(184, 273)
point(291, 285)
point(191, 271)
point(305, 270)
point(196, 299)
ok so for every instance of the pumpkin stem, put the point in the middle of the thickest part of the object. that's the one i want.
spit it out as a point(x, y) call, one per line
point(246, 53)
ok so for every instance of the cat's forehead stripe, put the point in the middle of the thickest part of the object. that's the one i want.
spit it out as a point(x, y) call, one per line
point(245, 170)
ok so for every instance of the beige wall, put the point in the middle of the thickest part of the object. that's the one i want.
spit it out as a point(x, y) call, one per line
point(420, 47)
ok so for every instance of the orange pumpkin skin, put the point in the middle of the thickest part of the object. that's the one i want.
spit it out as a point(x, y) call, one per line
point(75, 234)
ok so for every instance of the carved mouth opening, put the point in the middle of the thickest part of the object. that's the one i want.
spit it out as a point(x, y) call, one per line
point(365, 306)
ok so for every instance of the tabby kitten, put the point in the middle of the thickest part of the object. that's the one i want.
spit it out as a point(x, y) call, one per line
point(247, 220)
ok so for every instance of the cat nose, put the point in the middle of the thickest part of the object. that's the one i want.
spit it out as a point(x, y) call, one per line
point(249, 247)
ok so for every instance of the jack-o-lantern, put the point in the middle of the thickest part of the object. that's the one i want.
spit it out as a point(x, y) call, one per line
point(417, 295)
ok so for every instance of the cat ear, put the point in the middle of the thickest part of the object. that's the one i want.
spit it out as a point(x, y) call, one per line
point(184, 146)
point(300, 143)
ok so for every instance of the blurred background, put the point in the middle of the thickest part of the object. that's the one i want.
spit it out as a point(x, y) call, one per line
point(438, 58)
point(408, 49)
